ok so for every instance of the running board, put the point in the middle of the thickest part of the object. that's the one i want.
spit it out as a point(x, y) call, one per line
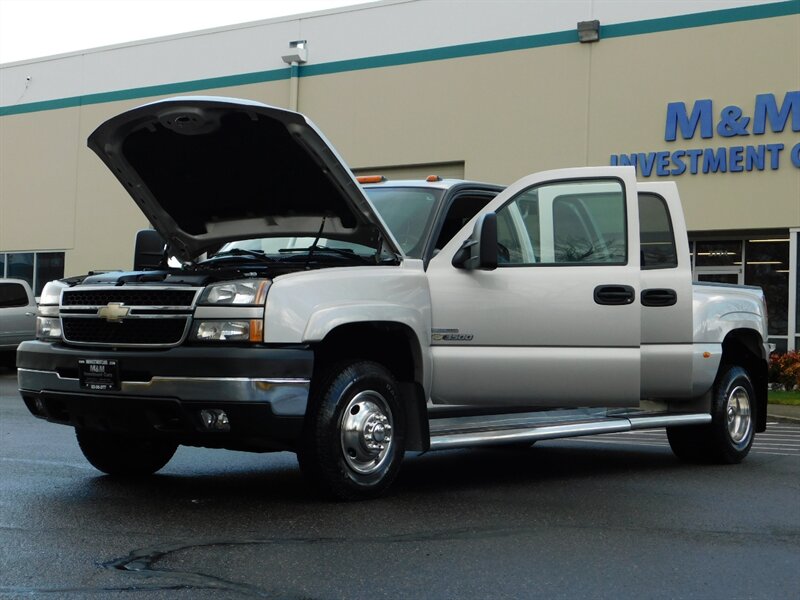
point(461, 432)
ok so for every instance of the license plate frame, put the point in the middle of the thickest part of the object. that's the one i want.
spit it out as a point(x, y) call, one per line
point(99, 374)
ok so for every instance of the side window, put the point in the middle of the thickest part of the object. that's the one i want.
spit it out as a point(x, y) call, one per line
point(571, 222)
point(461, 210)
point(12, 294)
point(655, 230)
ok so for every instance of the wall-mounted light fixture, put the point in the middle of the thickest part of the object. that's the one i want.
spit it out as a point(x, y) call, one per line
point(298, 53)
point(588, 31)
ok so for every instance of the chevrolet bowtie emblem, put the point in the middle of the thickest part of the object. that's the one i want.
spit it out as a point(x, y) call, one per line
point(113, 312)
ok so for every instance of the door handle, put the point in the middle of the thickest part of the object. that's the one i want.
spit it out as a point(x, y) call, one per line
point(659, 297)
point(614, 295)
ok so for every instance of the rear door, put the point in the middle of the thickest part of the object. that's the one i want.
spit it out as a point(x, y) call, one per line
point(666, 296)
point(558, 322)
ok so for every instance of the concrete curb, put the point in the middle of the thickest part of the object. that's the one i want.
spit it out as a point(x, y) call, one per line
point(783, 414)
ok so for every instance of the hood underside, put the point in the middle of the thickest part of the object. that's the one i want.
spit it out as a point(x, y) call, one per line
point(209, 170)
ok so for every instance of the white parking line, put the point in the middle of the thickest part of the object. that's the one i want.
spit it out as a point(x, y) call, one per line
point(777, 441)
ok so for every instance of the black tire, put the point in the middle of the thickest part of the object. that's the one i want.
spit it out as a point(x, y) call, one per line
point(354, 436)
point(729, 436)
point(124, 456)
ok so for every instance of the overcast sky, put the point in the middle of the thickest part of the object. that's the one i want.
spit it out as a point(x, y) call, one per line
point(36, 28)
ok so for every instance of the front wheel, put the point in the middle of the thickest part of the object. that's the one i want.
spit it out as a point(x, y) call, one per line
point(122, 455)
point(729, 436)
point(354, 437)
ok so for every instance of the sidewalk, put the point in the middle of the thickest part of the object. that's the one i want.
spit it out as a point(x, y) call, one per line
point(781, 413)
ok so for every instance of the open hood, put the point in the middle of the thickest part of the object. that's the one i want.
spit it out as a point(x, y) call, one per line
point(209, 170)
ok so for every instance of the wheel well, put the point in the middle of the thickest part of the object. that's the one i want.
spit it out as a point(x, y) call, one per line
point(391, 344)
point(396, 347)
point(743, 348)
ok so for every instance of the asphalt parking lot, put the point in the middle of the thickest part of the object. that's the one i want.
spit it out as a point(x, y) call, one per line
point(612, 516)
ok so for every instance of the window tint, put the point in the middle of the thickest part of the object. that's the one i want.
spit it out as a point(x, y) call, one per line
point(12, 294)
point(655, 231)
point(572, 222)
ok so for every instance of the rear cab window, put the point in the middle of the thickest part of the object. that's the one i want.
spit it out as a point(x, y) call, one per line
point(657, 240)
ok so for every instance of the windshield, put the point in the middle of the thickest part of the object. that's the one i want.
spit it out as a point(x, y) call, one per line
point(407, 212)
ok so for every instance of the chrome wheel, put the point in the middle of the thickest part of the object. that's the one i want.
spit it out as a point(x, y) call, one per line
point(366, 432)
point(354, 435)
point(738, 415)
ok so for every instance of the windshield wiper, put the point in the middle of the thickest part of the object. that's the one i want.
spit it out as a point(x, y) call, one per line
point(312, 250)
point(236, 252)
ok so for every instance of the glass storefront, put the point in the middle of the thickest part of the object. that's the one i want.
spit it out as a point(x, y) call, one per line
point(767, 266)
point(37, 268)
point(719, 254)
point(795, 289)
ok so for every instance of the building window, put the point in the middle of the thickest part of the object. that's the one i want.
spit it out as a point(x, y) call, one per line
point(49, 266)
point(719, 254)
point(767, 266)
point(37, 268)
point(20, 266)
point(795, 298)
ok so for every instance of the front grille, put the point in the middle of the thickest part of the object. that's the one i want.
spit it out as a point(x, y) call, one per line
point(128, 297)
point(131, 331)
point(143, 316)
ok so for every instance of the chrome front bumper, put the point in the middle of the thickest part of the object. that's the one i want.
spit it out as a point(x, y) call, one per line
point(286, 396)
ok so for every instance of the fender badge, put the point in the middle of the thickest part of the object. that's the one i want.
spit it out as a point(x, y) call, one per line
point(450, 335)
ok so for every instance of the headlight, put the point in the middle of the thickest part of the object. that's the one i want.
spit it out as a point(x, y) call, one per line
point(249, 291)
point(217, 330)
point(48, 328)
point(48, 325)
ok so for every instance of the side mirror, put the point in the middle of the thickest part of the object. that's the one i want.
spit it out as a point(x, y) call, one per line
point(148, 253)
point(479, 251)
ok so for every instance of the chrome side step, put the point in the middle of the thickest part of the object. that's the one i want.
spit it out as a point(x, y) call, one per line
point(461, 432)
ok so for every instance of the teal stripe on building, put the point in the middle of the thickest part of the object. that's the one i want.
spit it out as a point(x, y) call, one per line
point(716, 17)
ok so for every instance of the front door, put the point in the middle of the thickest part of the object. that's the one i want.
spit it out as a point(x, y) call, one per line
point(558, 322)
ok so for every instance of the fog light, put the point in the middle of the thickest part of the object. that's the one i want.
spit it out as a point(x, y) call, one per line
point(215, 419)
point(39, 405)
point(222, 331)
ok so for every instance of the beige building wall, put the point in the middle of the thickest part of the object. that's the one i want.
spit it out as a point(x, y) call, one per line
point(633, 79)
point(504, 115)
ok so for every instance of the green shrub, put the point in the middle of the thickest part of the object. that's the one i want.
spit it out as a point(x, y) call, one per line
point(784, 369)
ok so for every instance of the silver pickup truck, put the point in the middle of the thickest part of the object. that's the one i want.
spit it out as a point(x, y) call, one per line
point(280, 305)
point(17, 314)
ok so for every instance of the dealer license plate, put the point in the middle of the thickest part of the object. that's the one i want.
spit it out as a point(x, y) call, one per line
point(98, 374)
